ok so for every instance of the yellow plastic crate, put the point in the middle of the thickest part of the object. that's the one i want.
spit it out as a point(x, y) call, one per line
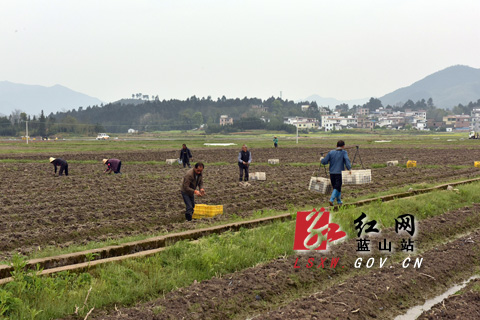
point(200, 207)
point(199, 211)
point(411, 164)
point(212, 211)
point(206, 211)
point(477, 164)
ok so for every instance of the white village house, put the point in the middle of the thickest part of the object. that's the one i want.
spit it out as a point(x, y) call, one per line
point(302, 123)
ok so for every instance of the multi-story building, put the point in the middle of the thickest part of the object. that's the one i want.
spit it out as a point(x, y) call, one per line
point(450, 120)
point(225, 119)
point(362, 112)
point(420, 114)
point(302, 123)
point(323, 110)
point(384, 122)
point(462, 123)
point(337, 123)
point(475, 120)
point(431, 123)
point(391, 122)
point(361, 122)
point(420, 125)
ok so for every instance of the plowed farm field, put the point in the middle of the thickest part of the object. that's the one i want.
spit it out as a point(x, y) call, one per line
point(38, 209)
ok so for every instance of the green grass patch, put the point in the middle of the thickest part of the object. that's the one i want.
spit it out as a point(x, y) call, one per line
point(254, 139)
point(476, 287)
point(458, 167)
point(22, 161)
point(430, 166)
point(378, 165)
point(133, 280)
point(219, 163)
point(302, 164)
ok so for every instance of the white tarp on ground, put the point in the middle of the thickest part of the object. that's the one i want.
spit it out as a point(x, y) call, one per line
point(220, 144)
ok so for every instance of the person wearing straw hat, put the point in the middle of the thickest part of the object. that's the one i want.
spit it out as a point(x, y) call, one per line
point(59, 162)
point(338, 159)
point(113, 165)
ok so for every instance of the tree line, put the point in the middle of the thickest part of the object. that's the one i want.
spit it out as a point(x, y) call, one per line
point(163, 115)
point(16, 124)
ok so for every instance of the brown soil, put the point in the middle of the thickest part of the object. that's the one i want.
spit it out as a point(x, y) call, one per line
point(279, 291)
point(38, 209)
point(436, 155)
point(465, 305)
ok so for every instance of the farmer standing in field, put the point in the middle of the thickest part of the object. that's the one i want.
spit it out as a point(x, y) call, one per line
point(113, 165)
point(338, 160)
point(192, 180)
point(275, 142)
point(185, 155)
point(244, 160)
point(59, 162)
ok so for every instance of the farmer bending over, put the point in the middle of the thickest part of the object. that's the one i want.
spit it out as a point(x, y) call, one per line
point(113, 165)
point(59, 162)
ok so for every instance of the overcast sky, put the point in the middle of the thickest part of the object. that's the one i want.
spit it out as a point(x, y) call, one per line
point(175, 49)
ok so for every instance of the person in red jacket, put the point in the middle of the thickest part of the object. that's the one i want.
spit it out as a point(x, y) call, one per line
point(113, 165)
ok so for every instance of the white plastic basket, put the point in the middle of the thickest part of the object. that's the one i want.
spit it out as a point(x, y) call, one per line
point(258, 176)
point(357, 177)
point(320, 184)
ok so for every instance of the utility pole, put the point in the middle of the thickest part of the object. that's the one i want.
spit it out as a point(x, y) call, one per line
point(297, 132)
point(26, 130)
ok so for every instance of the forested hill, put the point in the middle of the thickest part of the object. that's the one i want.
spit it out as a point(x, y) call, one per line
point(448, 88)
point(176, 114)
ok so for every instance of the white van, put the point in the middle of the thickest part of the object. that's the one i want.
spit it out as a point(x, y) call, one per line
point(102, 136)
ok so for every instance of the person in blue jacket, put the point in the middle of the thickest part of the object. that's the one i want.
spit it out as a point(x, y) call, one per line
point(338, 160)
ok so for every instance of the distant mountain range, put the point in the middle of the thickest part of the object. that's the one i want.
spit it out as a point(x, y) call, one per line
point(448, 88)
point(33, 98)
